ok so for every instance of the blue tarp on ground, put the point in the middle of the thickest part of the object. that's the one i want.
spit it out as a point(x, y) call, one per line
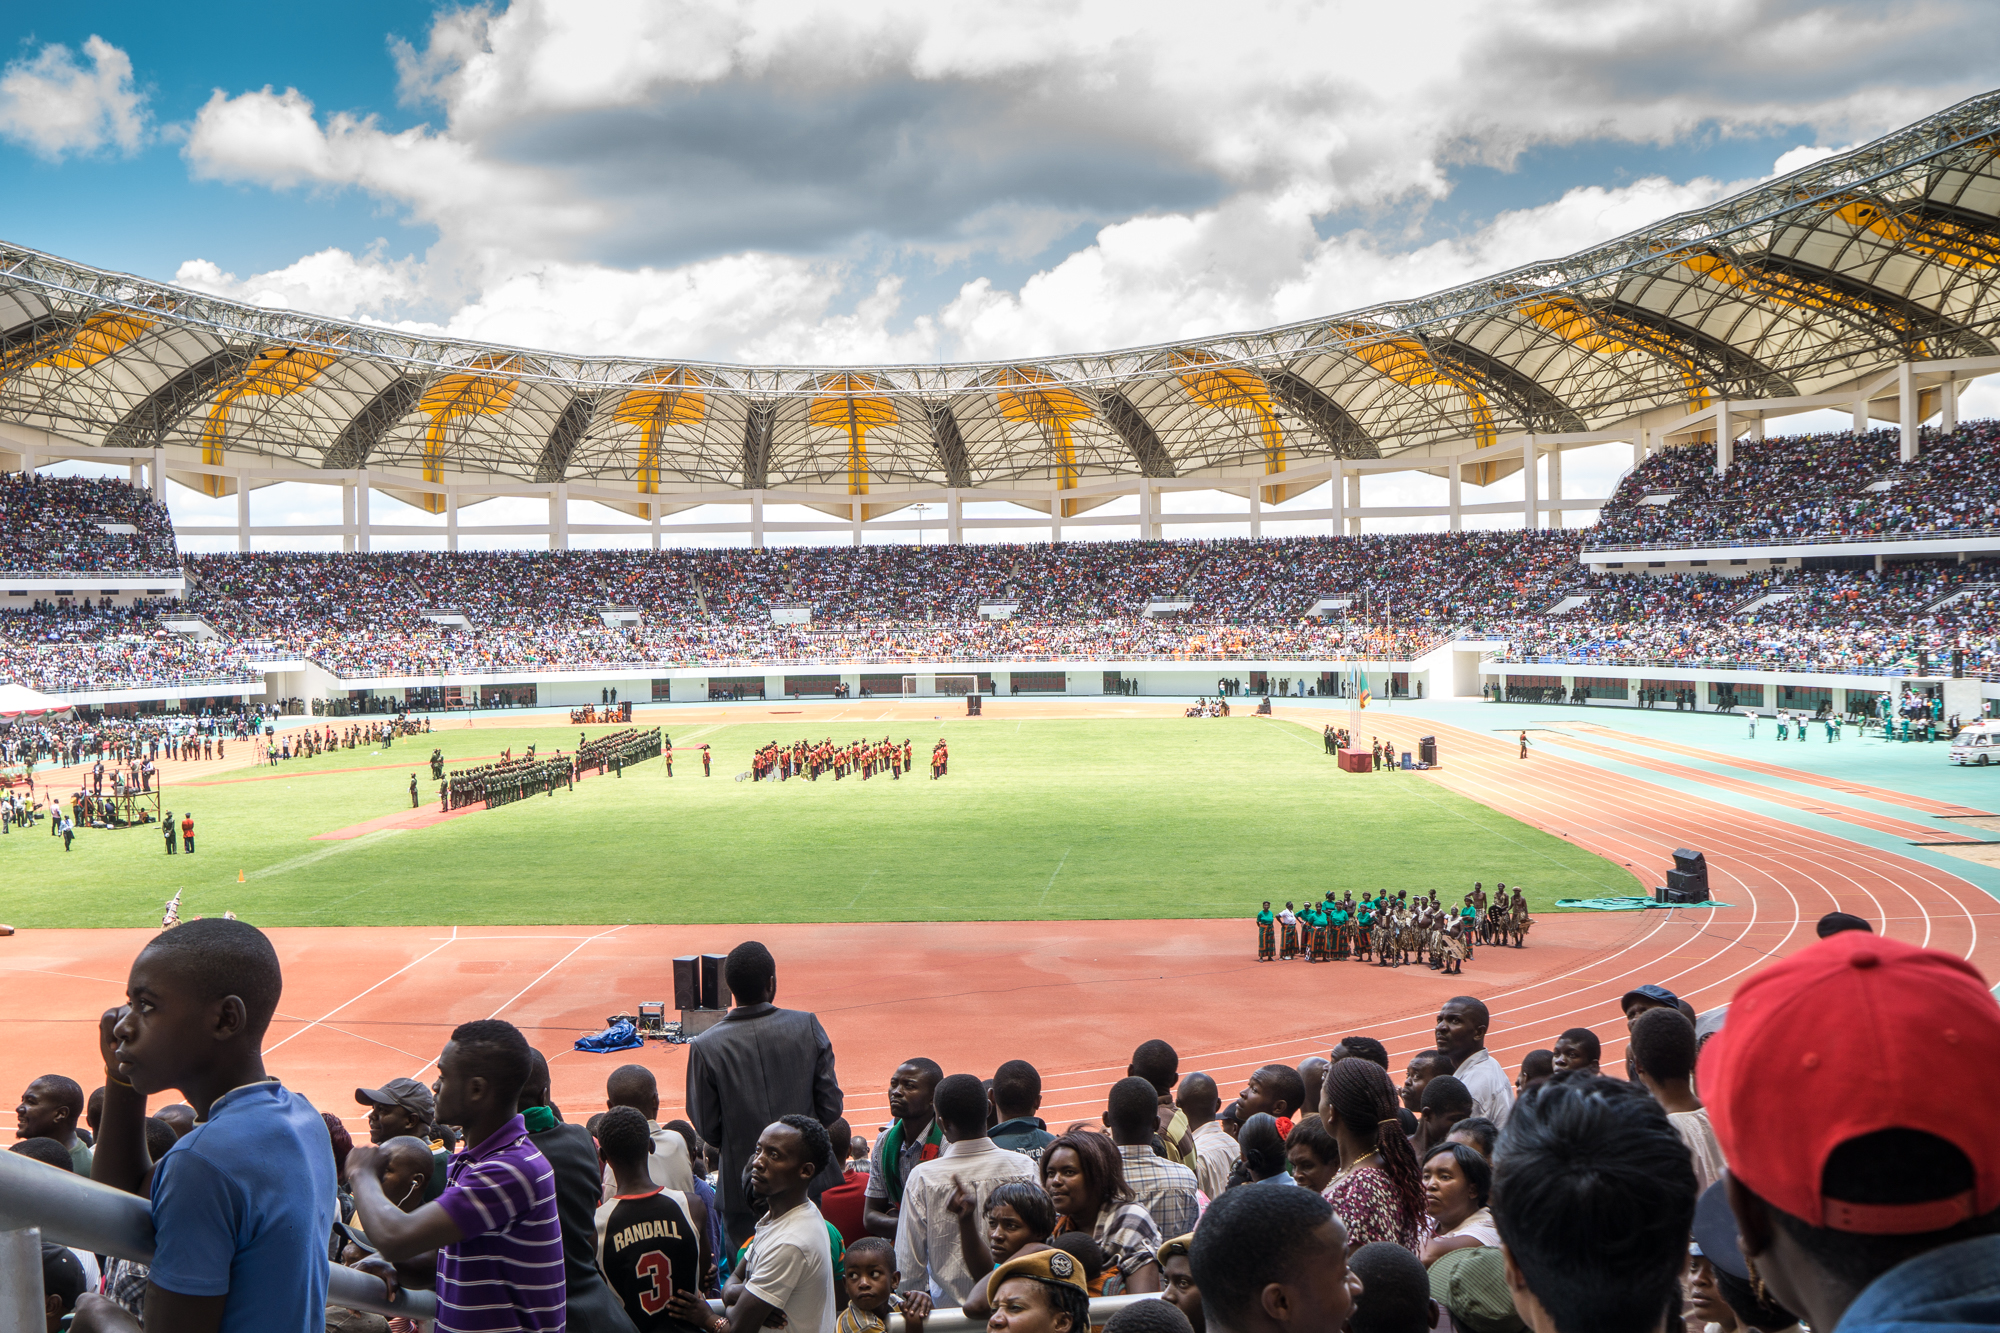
point(617, 1037)
point(1631, 904)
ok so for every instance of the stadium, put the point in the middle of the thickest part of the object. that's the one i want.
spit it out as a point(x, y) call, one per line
point(462, 768)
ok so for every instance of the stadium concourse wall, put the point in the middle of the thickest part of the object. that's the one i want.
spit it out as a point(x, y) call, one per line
point(1464, 668)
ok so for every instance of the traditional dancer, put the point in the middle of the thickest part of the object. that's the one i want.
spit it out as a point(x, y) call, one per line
point(1267, 935)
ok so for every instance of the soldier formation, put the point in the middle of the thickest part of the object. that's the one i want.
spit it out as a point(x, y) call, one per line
point(813, 760)
point(1391, 930)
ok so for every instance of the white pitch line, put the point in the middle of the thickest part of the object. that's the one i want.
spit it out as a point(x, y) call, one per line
point(507, 1003)
point(377, 986)
point(1052, 877)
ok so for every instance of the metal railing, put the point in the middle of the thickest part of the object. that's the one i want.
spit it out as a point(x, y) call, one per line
point(71, 1210)
point(86, 575)
point(1749, 541)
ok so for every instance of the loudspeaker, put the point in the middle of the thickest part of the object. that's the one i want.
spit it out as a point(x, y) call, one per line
point(1427, 751)
point(1690, 860)
point(687, 982)
point(714, 993)
point(972, 705)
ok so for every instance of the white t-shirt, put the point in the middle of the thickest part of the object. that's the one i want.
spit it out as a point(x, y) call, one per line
point(789, 1267)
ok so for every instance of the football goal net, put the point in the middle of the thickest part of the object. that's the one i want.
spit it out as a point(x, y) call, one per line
point(946, 686)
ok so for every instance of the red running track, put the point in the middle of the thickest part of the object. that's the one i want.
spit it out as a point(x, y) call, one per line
point(363, 1005)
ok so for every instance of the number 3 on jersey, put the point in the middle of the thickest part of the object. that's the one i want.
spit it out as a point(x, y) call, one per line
point(657, 1269)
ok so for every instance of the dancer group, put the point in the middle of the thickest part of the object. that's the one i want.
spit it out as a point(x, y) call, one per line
point(1392, 930)
point(864, 759)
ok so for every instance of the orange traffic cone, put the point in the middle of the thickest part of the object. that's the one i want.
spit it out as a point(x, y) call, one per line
point(239, 877)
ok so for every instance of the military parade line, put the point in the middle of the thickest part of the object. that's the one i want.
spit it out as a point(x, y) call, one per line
point(1394, 930)
point(864, 759)
point(509, 779)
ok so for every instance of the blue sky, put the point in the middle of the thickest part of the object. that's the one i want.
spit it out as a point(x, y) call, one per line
point(893, 181)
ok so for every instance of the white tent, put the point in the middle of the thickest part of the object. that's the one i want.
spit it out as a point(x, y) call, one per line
point(18, 701)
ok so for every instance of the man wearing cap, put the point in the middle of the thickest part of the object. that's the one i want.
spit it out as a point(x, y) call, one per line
point(404, 1107)
point(1461, 1034)
point(1039, 1292)
point(1638, 1000)
point(1864, 1171)
point(1177, 1285)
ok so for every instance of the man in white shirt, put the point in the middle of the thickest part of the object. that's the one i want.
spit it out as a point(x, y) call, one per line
point(786, 1277)
point(669, 1165)
point(928, 1252)
point(1461, 1034)
point(1216, 1154)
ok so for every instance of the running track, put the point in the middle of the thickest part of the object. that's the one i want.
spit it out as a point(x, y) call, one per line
point(363, 1005)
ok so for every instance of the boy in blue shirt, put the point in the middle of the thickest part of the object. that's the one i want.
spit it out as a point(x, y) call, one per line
point(244, 1203)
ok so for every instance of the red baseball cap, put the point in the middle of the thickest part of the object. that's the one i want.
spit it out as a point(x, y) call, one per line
point(1849, 1036)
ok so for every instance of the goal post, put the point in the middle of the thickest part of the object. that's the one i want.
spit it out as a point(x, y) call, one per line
point(953, 687)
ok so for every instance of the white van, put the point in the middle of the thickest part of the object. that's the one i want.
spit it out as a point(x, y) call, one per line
point(1977, 743)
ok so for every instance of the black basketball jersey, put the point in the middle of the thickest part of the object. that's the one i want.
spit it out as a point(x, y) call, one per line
point(647, 1248)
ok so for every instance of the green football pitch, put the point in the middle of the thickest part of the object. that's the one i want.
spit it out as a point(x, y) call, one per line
point(1047, 819)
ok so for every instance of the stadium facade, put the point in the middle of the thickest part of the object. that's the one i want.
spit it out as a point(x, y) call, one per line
point(1864, 283)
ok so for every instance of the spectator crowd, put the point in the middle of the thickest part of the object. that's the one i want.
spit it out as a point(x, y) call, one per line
point(1816, 1154)
point(1377, 597)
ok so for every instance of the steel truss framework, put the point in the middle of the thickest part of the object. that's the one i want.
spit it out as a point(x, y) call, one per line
point(1812, 284)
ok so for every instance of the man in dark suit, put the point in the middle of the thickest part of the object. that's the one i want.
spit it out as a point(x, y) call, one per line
point(758, 1064)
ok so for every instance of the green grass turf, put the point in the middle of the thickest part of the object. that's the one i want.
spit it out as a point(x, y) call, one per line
point(1038, 819)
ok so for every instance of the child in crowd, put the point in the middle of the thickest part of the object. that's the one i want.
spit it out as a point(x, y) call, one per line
point(872, 1280)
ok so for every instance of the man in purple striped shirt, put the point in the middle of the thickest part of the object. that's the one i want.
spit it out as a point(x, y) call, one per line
point(491, 1243)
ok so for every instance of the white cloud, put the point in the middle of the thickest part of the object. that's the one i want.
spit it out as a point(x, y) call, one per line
point(779, 181)
point(53, 104)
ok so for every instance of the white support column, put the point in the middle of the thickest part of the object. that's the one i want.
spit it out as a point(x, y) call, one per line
point(1530, 465)
point(559, 517)
point(242, 512)
point(1055, 517)
point(158, 480)
point(1353, 504)
point(1555, 515)
point(361, 511)
point(854, 508)
point(1336, 499)
point(1455, 488)
point(1756, 428)
point(653, 511)
point(1256, 511)
point(954, 518)
point(1948, 406)
point(347, 517)
point(135, 474)
point(451, 518)
point(1725, 438)
point(1906, 411)
point(756, 520)
point(1860, 416)
point(1145, 494)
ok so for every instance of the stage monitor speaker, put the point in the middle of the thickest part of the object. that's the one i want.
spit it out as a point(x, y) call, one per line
point(714, 992)
point(1427, 750)
point(972, 705)
point(1690, 860)
point(687, 982)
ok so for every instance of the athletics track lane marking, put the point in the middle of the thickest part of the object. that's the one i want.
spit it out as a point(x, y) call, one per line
point(371, 990)
point(513, 999)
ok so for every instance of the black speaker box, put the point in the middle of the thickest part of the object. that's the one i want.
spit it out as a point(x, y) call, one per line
point(687, 982)
point(1690, 860)
point(714, 993)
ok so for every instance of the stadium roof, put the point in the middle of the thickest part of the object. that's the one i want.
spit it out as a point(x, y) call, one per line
point(1883, 254)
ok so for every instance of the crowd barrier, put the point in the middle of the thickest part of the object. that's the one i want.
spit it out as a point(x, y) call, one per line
point(85, 1215)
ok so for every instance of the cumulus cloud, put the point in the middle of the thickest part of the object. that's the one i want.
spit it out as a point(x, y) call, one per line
point(906, 180)
point(54, 104)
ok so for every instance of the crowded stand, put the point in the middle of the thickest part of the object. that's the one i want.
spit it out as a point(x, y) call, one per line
point(1808, 487)
point(1713, 1177)
point(1371, 597)
point(64, 525)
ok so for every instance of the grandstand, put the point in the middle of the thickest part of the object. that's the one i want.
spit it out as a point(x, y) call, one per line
point(1728, 561)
